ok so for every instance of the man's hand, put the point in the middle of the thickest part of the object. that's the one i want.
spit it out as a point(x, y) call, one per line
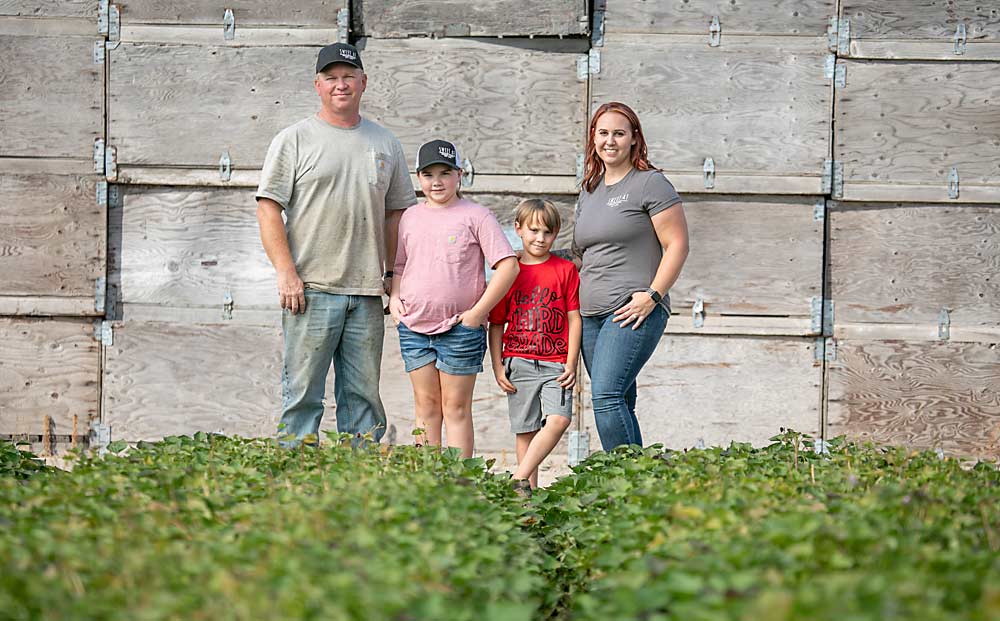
point(502, 381)
point(291, 291)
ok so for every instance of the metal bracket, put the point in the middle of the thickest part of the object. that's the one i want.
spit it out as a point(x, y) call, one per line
point(114, 197)
point(698, 313)
point(831, 34)
point(597, 36)
point(821, 447)
point(100, 437)
point(99, 52)
point(580, 162)
point(579, 447)
point(468, 173)
point(114, 26)
point(102, 17)
point(708, 173)
point(100, 294)
point(830, 67)
point(844, 37)
point(944, 325)
point(582, 67)
point(830, 349)
point(833, 178)
point(961, 38)
point(343, 24)
point(840, 76)
point(819, 210)
point(99, 155)
point(227, 306)
point(104, 333)
point(714, 32)
point(111, 163)
point(953, 183)
point(225, 166)
point(102, 193)
point(821, 315)
point(229, 25)
point(594, 64)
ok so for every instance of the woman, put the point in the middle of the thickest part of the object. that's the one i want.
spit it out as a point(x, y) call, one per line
point(633, 239)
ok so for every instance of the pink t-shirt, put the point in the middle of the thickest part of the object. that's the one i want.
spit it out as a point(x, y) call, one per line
point(440, 261)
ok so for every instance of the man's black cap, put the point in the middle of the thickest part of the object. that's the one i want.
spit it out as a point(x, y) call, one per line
point(437, 152)
point(338, 53)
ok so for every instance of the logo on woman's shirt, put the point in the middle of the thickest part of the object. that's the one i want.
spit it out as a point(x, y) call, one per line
point(618, 200)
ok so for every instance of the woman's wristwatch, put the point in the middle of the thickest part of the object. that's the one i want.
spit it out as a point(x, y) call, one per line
point(388, 274)
point(654, 294)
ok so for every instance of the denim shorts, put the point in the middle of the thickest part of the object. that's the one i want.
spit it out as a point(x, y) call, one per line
point(459, 351)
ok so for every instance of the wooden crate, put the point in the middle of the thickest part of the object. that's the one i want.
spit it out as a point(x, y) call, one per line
point(758, 106)
point(52, 103)
point(252, 13)
point(778, 17)
point(53, 232)
point(86, 9)
point(922, 29)
point(48, 368)
point(482, 18)
point(917, 393)
point(902, 127)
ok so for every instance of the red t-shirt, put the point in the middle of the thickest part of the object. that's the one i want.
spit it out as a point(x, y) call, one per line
point(536, 310)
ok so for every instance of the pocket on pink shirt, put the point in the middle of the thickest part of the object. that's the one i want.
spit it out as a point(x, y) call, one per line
point(456, 245)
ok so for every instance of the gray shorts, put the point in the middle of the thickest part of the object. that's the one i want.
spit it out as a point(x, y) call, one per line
point(538, 393)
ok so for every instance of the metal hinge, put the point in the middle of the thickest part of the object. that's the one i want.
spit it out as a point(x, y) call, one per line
point(99, 52)
point(99, 155)
point(580, 162)
point(228, 25)
point(831, 34)
point(835, 72)
point(821, 315)
point(844, 37)
point(833, 178)
point(100, 294)
point(100, 437)
point(343, 24)
point(944, 324)
point(708, 173)
point(953, 183)
point(102, 193)
point(109, 20)
point(225, 166)
point(468, 173)
point(698, 313)
point(588, 64)
point(104, 333)
point(819, 210)
point(227, 306)
point(714, 32)
point(826, 349)
point(105, 159)
point(579, 447)
point(961, 38)
point(597, 36)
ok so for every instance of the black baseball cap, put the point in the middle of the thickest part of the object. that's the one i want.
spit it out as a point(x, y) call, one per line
point(338, 53)
point(437, 152)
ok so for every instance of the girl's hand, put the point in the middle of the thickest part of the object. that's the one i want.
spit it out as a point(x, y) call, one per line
point(502, 381)
point(568, 377)
point(472, 319)
point(396, 309)
point(636, 311)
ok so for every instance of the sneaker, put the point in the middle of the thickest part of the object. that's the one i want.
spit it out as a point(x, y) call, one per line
point(522, 487)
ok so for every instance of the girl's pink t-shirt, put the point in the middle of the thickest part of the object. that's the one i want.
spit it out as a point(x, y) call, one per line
point(439, 260)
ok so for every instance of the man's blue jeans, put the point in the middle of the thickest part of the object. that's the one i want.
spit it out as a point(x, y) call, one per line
point(613, 356)
point(344, 329)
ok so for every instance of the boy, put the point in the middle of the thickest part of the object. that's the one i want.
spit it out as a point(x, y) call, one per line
point(541, 344)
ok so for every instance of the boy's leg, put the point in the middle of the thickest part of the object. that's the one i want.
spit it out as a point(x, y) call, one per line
point(426, 383)
point(521, 443)
point(545, 440)
point(557, 406)
point(456, 406)
point(357, 364)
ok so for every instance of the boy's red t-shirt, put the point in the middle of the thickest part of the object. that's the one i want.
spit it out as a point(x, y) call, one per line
point(536, 310)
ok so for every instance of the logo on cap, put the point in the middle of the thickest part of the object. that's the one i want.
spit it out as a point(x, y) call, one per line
point(446, 152)
point(348, 54)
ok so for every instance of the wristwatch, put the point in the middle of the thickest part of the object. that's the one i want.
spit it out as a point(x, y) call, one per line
point(653, 293)
point(388, 274)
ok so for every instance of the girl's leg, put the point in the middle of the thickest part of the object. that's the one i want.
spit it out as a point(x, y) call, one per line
point(456, 406)
point(617, 356)
point(522, 442)
point(544, 441)
point(427, 403)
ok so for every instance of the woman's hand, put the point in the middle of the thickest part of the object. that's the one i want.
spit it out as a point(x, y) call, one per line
point(636, 311)
point(396, 309)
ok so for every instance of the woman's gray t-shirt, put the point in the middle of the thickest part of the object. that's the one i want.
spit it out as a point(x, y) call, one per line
point(614, 233)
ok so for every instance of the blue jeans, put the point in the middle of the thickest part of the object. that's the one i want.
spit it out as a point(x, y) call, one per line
point(344, 329)
point(613, 356)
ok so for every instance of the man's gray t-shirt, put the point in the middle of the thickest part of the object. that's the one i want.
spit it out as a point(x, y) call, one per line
point(335, 185)
point(615, 235)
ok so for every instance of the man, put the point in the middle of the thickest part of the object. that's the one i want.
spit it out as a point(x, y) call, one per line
point(342, 183)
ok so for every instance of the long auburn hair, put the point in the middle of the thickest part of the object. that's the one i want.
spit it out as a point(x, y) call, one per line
point(593, 165)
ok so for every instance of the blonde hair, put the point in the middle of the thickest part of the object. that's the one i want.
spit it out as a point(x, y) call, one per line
point(531, 208)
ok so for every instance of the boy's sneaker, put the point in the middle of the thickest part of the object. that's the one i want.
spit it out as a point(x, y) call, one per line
point(522, 487)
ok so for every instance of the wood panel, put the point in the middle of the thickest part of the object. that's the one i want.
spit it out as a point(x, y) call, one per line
point(503, 205)
point(184, 105)
point(777, 17)
point(922, 29)
point(52, 245)
point(482, 18)
point(50, 109)
point(49, 8)
point(246, 12)
point(905, 125)
point(721, 389)
point(48, 367)
point(895, 263)
point(512, 107)
point(758, 106)
point(918, 394)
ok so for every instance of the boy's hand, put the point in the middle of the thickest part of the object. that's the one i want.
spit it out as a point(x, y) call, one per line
point(502, 380)
point(568, 377)
point(396, 309)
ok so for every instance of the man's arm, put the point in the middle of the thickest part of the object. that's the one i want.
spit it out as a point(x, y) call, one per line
point(392, 218)
point(274, 237)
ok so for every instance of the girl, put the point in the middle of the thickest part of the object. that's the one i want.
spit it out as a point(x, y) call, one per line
point(439, 295)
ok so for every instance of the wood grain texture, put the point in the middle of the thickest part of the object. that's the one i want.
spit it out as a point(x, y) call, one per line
point(751, 256)
point(50, 109)
point(481, 18)
point(909, 123)
point(188, 247)
point(52, 239)
point(921, 395)
point(895, 263)
point(48, 367)
point(510, 109)
point(922, 19)
point(49, 8)
point(774, 17)
point(757, 105)
point(721, 389)
point(183, 105)
point(246, 12)
point(503, 205)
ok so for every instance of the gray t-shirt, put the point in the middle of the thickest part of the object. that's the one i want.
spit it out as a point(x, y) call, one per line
point(335, 185)
point(615, 235)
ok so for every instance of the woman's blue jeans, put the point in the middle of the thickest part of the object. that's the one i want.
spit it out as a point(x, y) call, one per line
point(614, 356)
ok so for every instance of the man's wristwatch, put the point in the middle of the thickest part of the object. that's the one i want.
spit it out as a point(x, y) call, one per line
point(388, 274)
point(654, 294)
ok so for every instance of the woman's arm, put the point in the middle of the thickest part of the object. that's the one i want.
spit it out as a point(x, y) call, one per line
point(504, 274)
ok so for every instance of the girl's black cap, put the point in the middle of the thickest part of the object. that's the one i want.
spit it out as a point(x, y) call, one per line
point(437, 152)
